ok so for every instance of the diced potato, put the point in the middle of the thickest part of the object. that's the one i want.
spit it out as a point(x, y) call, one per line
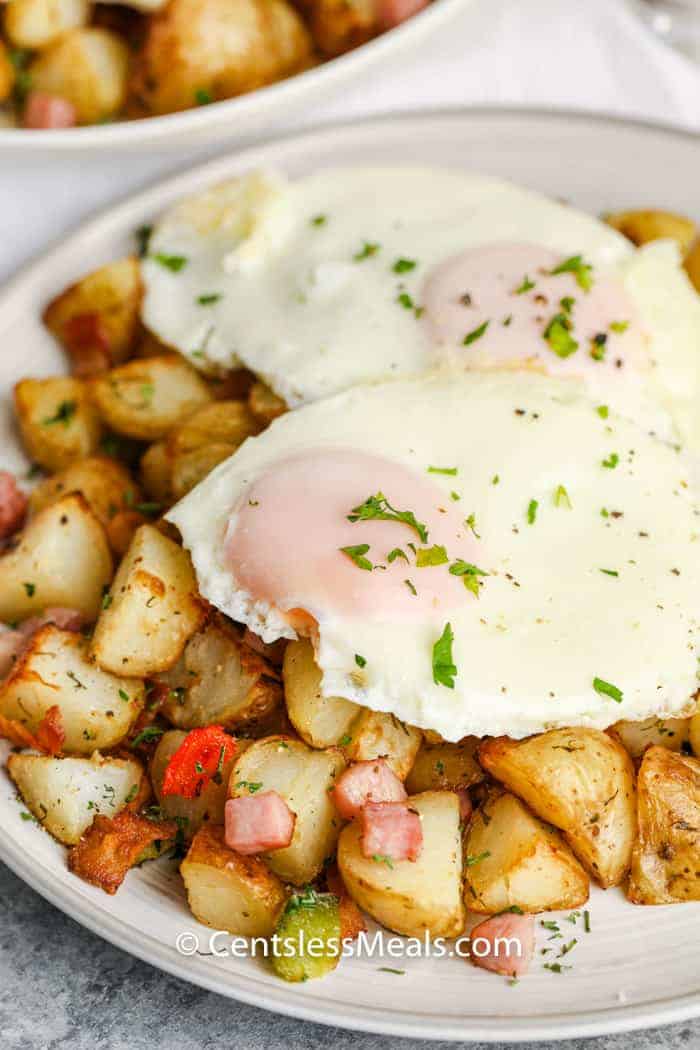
point(97, 709)
point(651, 224)
point(219, 681)
point(222, 423)
point(57, 421)
point(228, 891)
point(582, 781)
point(692, 264)
point(122, 528)
point(189, 468)
point(320, 721)
point(265, 404)
point(515, 860)
point(37, 23)
point(202, 50)
point(328, 721)
point(7, 74)
point(191, 813)
point(87, 67)
point(341, 25)
point(106, 485)
point(411, 897)
point(636, 737)
point(111, 846)
point(156, 473)
point(446, 766)
point(111, 297)
point(61, 559)
point(310, 921)
point(303, 778)
point(666, 857)
point(145, 399)
point(152, 610)
point(66, 794)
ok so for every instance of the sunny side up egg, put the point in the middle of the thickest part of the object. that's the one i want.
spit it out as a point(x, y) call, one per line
point(478, 552)
point(355, 276)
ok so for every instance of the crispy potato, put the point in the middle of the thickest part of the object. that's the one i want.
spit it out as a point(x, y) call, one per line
point(66, 794)
point(222, 423)
point(376, 734)
point(636, 737)
point(412, 896)
point(515, 860)
point(446, 766)
point(7, 74)
point(156, 473)
point(650, 224)
point(99, 315)
point(57, 421)
point(191, 813)
point(106, 485)
point(666, 857)
point(694, 733)
point(320, 721)
point(113, 845)
point(36, 23)
point(265, 404)
point(228, 891)
point(202, 50)
point(145, 399)
point(338, 26)
point(152, 610)
point(692, 264)
point(303, 778)
point(219, 681)
point(582, 781)
point(61, 558)
point(97, 709)
point(87, 67)
point(189, 468)
point(122, 528)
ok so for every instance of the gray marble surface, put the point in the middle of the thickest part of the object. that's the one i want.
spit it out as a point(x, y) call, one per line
point(61, 986)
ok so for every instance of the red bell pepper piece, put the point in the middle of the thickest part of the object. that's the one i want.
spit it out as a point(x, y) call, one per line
point(199, 759)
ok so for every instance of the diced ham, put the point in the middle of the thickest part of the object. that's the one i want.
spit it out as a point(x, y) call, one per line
point(43, 111)
point(13, 505)
point(504, 943)
point(465, 805)
point(364, 782)
point(391, 13)
point(258, 823)
point(391, 830)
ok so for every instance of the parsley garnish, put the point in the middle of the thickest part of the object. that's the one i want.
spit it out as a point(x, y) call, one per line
point(356, 554)
point(580, 269)
point(471, 860)
point(444, 671)
point(360, 660)
point(251, 785)
point(366, 252)
point(143, 236)
point(123, 695)
point(611, 462)
point(610, 572)
point(603, 411)
point(532, 511)
point(619, 326)
point(411, 588)
point(604, 688)
point(452, 471)
point(435, 555)
point(345, 740)
point(380, 858)
point(203, 97)
point(396, 553)
point(30, 589)
point(470, 522)
point(175, 263)
point(147, 735)
point(526, 285)
point(469, 573)
point(319, 220)
point(476, 333)
point(558, 335)
point(404, 265)
point(63, 414)
point(390, 969)
point(561, 498)
point(378, 508)
point(208, 298)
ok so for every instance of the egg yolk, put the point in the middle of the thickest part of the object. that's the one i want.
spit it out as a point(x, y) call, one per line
point(515, 305)
point(346, 532)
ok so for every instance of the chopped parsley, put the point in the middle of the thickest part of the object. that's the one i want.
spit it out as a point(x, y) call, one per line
point(208, 298)
point(444, 670)
point(526, 285)
point(378, 508)
point(477, 859)
point(147, 735)
point(610, 572)
point(174, 263)
point(404, 265)
point(455, 496)
point(476, 333)
point(106, 600)
point(452, 471)
point(203, 97)
point(405, 300)
point(345, 740)
point(558, 335)
point(396, 553)
point(390, 969)
point(470, 522)
point(611, 462)
point(603, 411)
point(319, 220)
point(380, 858)
point(532, 511)
point(604, 688)
point(470, 575)
point(567, 304)
point(411, 588)
point(143, 236)
point(63, 414)
point(123, 695)
point(251, 785)
point(30, 589)
point(356, 554)
point(619, 326)
point(581, 270)
point(369, 248)
point(587, 921)
point(360, 660)
point(599, 346)
point(435, 555)
point(561, 498)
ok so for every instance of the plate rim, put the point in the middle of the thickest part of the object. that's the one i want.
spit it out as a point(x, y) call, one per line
point(613, 1020)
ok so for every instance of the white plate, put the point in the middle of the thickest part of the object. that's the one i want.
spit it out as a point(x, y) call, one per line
point(248, 115)
point(638, 966)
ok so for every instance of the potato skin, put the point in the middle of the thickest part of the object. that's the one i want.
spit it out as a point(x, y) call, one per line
point(87, 67)
point(692, 264)
point(445, 765)
point(666, 857)
point(582, 781)
point(105, 484)
point(338, 26)
point(216, 49)
point(636, 737)
point(653, 224)
point(57, 420)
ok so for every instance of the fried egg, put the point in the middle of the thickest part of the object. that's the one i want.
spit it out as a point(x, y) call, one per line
point(478, 553)
point(356, 276)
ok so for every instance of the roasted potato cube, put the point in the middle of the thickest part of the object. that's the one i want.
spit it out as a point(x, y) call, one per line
point(209, 436)
point(265, 404)
point(61, 558)
point(113, 845)
point(651, 224)
point(37, 23)
point(66, 794)
point(152, 610)
point(582, 781)
point(636, 737)
point(692, 264)
point(303, 778)
point(146, 398)
point(309, 917)
point(207, 50)
point(666, 857)
point(156, 473)
point(191, 813)
point(57, 421)
point(7, 74)
point(99, 315)
point(97, 709)
point(219, 681)
point(228, 891)
point(376, 734)
point(189, 468)
point(338, 26)
point(87, 67)
point(515, 860)
point(106, 485)
point(411, 897)
point(320, 721)
point(694, 733)
point(447, 766)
